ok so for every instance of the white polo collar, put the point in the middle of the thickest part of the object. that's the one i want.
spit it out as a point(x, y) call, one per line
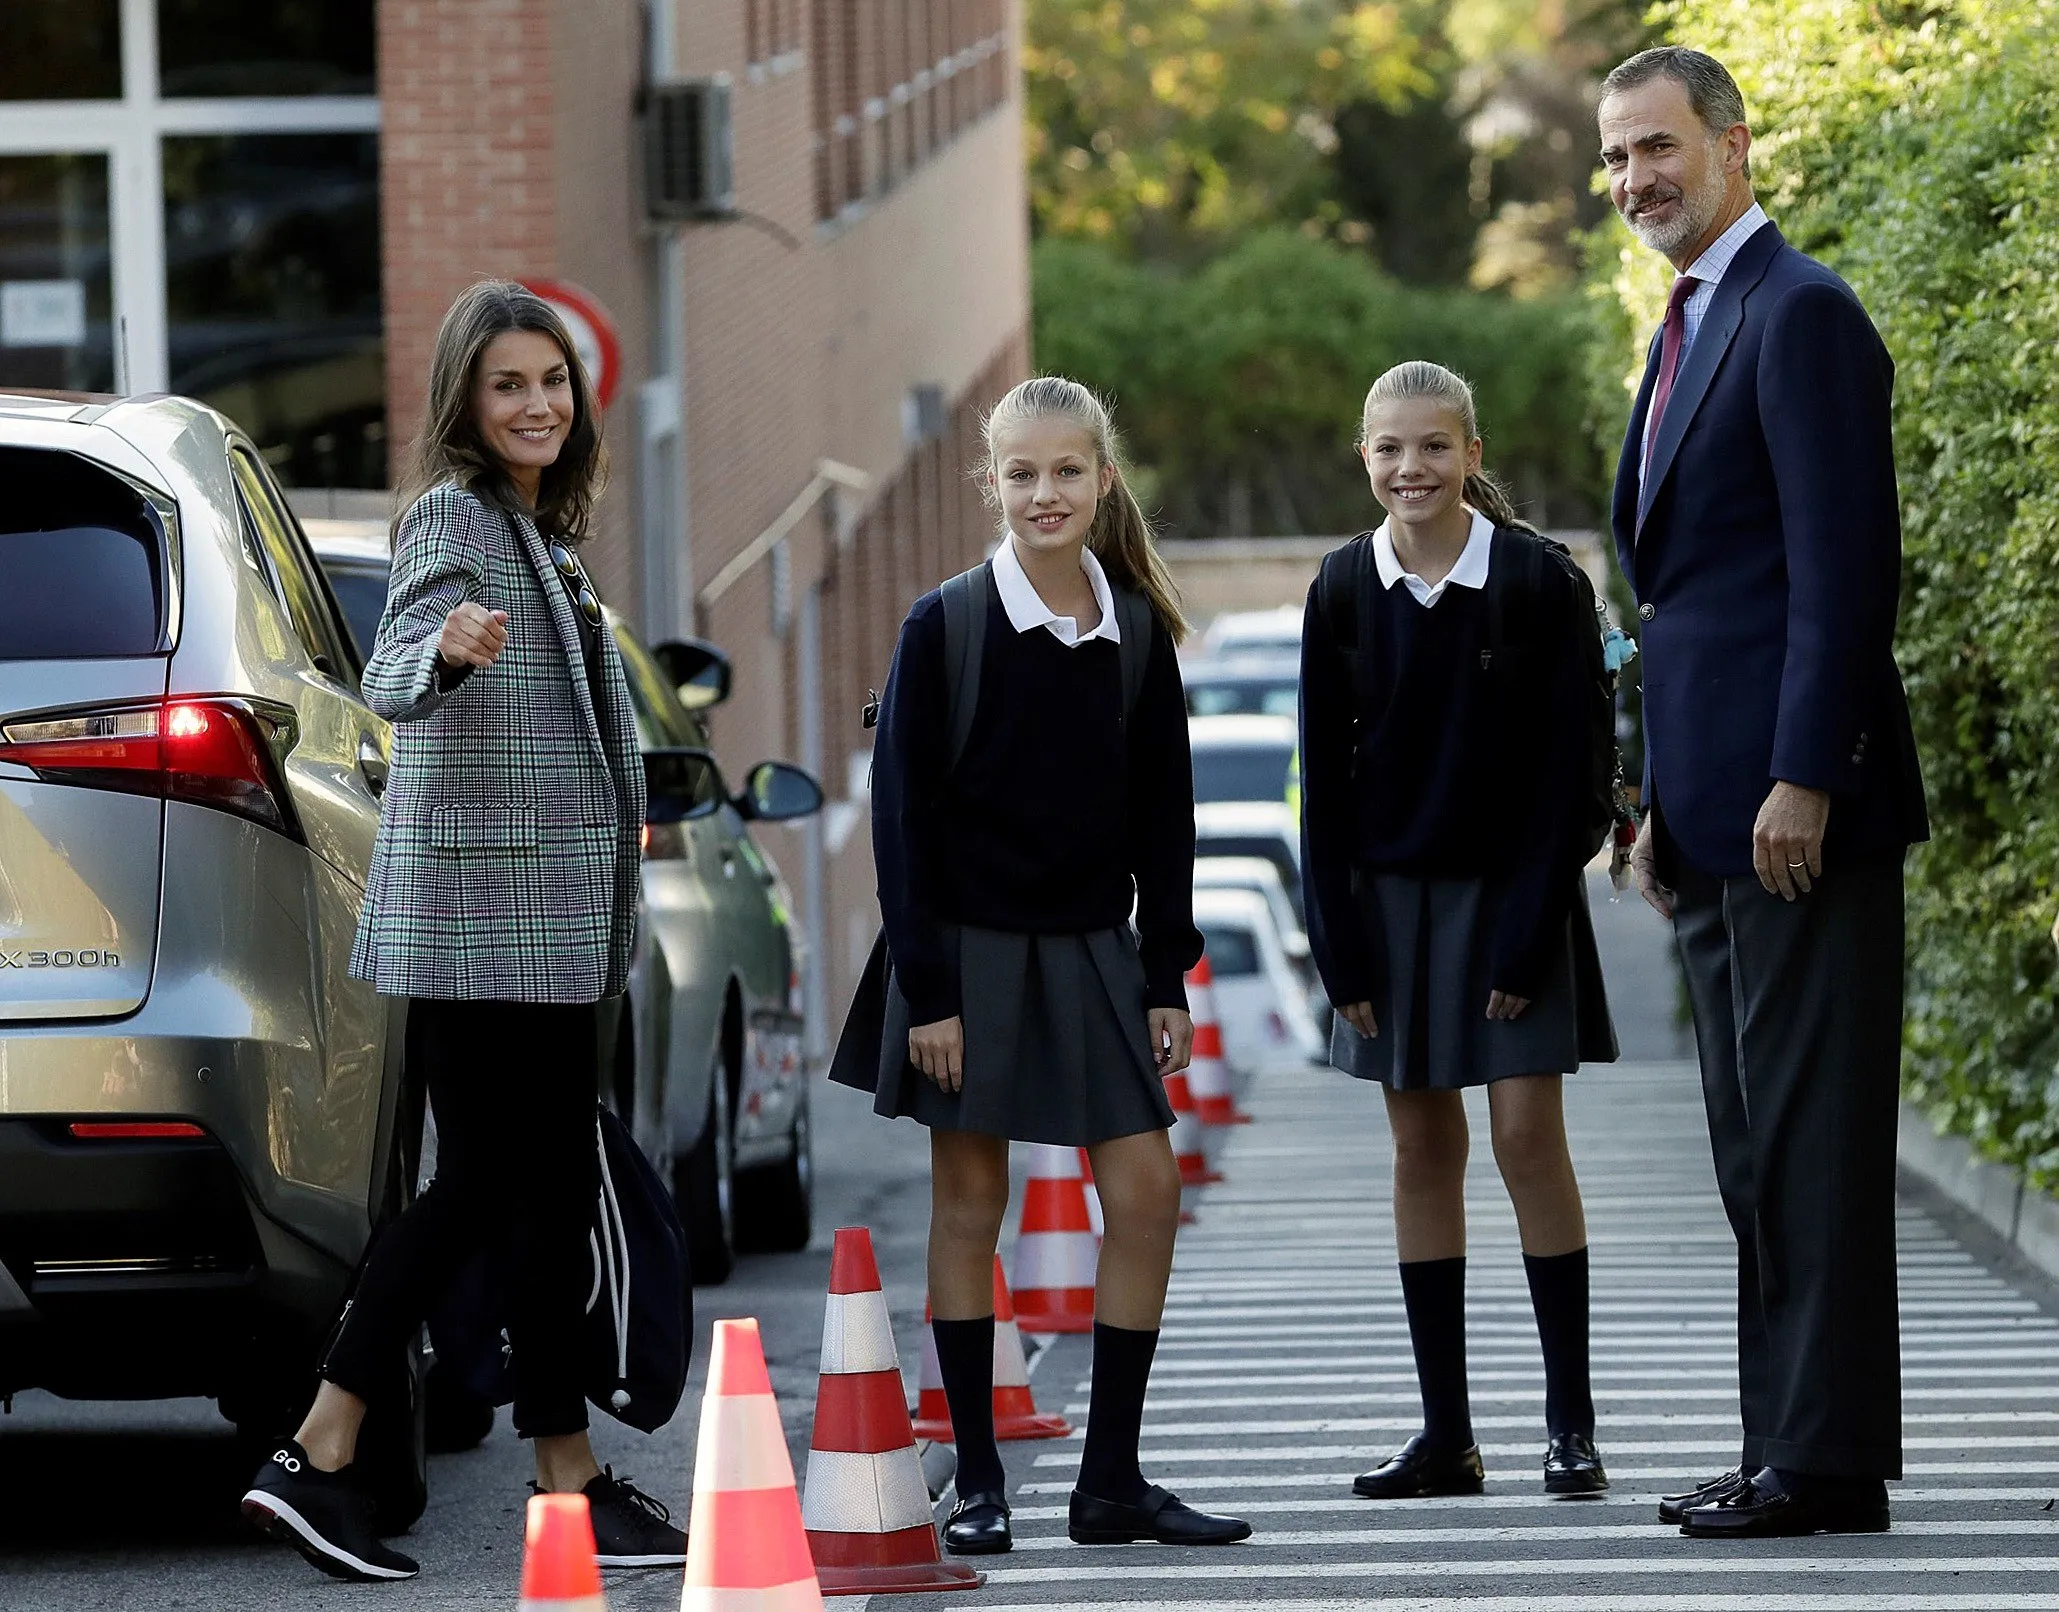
point(1469, 572)
point(1027, 610)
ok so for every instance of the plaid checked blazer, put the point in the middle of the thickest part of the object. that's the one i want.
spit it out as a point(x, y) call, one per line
point(509, 854)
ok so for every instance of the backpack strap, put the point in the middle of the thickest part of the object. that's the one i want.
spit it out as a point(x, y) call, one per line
point(1515, 567)
point(1135, 621)
point(965, 642)
point(1349, 564)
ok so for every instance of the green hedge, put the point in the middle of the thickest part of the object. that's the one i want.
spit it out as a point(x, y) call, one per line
point(1915, 147)
point(1238, 383)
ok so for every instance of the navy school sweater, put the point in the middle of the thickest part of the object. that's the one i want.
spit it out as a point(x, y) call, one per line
point(1417, 759)
point(1055, 820)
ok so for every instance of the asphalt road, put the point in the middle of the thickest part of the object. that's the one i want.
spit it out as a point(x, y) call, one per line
point(1284, 1370)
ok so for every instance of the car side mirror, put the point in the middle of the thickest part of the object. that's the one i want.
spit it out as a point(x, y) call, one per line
point(778, 791)
point(680, 785)
point(698, 671)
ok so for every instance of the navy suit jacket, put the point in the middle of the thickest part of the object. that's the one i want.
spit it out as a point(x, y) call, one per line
point(1765, 549)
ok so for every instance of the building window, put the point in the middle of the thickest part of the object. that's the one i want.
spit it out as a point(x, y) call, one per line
point(272, 295)
point(55, 293)
point(60, 50)
point(264, 47)
point(211, 230)
point(896, 80)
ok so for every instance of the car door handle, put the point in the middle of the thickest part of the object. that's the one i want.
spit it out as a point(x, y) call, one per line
point(372, 764)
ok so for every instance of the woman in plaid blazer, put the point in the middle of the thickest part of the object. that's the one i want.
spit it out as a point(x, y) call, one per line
point(502, 903)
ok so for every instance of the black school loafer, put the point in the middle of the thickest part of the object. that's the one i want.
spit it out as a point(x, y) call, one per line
point(1159, 1516)
point(978, 1525)
point(1788, 1505)
point(1572, 1465)
point(1419, 1470)
point(1673, 1508)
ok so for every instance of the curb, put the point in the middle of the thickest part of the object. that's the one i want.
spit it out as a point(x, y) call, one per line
point(2025, 1219)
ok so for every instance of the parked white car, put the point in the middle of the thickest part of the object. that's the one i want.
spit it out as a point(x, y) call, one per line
point(1260, 1000)
point(1256, 874)
point(1260, 828)
point(1242, 757)
point(1254, 632)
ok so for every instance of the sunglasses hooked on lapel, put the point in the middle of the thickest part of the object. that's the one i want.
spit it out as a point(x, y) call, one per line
point(572, 571)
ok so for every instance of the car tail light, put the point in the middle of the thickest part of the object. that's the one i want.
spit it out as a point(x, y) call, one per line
point(224, 753)
point(155, 1130)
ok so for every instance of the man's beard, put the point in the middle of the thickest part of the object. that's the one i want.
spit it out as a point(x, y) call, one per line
point(1689, 221)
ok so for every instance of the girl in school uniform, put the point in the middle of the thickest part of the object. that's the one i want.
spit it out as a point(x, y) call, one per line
point(1443, 800)
point(1021, 1004)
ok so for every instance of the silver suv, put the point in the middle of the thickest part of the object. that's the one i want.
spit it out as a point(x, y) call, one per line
point(202, 1116)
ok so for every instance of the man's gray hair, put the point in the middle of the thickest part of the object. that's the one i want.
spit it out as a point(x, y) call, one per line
point(1711, 91)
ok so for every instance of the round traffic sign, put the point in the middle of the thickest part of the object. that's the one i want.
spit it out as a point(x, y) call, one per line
point(592, 330)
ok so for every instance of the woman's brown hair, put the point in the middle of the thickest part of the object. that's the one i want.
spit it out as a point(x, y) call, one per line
point(450, 447)
point(1121, 537)
point(1420, 378)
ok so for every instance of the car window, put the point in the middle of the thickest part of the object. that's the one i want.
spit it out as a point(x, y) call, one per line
point(661, 720)
point(361, 593)
point(1242, 772)
point(293, 571)
point(1243, 697)
point(83, 558)
point(1232, 953)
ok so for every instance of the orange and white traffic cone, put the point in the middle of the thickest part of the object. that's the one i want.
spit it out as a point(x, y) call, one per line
point(865, 1504)
point(932, 1409)
point(1056, 1255)
point(746, 1548)
point(1186, 1134)
point(1208, 1075)
point(1015, 1408)
point(559, 1572)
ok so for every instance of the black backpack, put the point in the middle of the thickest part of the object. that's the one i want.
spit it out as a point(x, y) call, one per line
point(1515, 593)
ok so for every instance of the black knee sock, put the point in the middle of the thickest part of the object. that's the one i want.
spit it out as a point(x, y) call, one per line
point(965, 1360)
point(1434, 1291)
point(1558, 1293)
point(1115, 1414)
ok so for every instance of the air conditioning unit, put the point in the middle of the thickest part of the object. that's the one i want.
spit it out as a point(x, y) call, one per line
point(686, 150)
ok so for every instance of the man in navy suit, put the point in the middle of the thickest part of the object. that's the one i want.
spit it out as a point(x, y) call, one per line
point(1756, 516)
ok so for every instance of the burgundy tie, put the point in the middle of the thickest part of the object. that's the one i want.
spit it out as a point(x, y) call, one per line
point(1672, 337)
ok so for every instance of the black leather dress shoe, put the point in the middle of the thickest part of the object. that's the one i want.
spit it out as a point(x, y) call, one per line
point(1420, 1470)
point(1572, 1465)
point(1674, 1507)
point(1785, 1505)
point(1158, 1516)
point(978, 1525)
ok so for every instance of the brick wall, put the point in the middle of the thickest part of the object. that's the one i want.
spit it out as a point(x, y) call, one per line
point(507, 150)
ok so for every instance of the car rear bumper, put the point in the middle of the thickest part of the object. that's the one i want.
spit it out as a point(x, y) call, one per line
point(142, 1267)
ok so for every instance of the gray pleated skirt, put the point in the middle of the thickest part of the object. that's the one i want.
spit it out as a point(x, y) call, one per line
point(1057, 1043)
point(1430, 999)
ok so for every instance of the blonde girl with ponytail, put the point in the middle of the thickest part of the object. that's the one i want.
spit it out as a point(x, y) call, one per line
point(1024, 803)
point(1446, 736)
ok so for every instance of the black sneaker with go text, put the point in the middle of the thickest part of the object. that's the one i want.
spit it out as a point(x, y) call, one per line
point(325, 1516)
point(631, 1528)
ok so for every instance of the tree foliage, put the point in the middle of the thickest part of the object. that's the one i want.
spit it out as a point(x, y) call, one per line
point(1915, 147)
point(1238, 382)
